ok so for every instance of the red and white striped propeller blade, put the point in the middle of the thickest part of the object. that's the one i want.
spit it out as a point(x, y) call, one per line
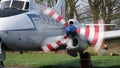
point(52, 43)
point(95, 34)
point(50, 12)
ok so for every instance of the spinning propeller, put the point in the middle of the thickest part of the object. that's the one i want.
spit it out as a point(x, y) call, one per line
point(94, 34)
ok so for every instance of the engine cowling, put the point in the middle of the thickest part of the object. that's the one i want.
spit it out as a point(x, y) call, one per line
point(78, 43)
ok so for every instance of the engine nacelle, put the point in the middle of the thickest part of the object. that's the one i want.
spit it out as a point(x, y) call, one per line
point(78, 43)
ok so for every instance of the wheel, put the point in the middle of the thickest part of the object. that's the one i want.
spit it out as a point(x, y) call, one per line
point(1, 64)
point(85, 61)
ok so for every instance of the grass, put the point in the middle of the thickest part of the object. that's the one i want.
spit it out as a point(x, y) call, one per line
point(37, 60)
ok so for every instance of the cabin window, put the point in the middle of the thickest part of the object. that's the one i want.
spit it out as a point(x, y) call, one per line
point(18, 4)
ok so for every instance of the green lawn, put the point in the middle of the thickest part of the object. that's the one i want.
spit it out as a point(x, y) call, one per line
point(37, 60)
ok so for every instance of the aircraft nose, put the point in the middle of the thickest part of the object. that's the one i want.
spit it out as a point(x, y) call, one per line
point(15, 19)
point(6, 12)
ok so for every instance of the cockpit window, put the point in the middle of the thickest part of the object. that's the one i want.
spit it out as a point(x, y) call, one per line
point(18, 4)
point(27, 5)
point(15, 4)
point(5, 4)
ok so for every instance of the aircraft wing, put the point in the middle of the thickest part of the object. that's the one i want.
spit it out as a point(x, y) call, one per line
point(112, 34)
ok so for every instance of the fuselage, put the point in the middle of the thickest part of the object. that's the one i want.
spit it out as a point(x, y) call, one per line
point(28, 29)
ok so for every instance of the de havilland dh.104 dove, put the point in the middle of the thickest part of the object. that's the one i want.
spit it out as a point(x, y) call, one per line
point(27, 26)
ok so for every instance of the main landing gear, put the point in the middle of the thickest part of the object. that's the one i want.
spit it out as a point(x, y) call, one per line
point(85, 60)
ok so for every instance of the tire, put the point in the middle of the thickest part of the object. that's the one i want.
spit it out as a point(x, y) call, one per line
point(85, 61)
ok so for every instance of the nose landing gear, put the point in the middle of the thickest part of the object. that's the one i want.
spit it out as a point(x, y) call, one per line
point(1, 64)
point(85, 60)
point(2, 56)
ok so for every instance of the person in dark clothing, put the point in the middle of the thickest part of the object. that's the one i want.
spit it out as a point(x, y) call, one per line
point(71, 30)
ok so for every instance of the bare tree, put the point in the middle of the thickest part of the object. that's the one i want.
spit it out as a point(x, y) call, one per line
point(109, 9)
point(105, 8)
point(71, 9)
